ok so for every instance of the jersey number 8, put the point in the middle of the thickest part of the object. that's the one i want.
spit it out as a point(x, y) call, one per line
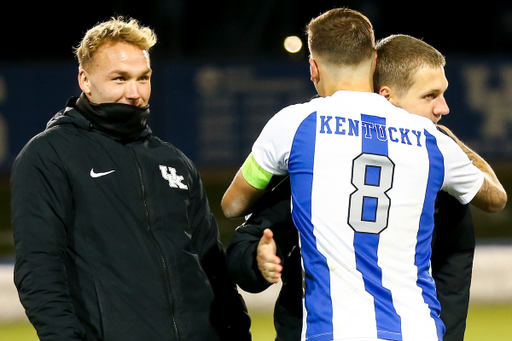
point(372, 176)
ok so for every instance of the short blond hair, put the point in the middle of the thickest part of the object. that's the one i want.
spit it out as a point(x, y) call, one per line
point(399, 57)
point(109, 32)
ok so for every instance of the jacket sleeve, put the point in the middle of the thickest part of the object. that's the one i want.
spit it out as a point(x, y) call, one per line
point(453, 248)
point(241, 258)
point(41, 203)
point(272, 211)
point(229, 314)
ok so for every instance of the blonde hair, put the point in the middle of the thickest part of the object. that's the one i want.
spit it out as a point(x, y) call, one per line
point(342, 37)
point(399, 57)
point(110, 32)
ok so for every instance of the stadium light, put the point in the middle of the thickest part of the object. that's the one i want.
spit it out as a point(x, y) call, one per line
point(292, 44)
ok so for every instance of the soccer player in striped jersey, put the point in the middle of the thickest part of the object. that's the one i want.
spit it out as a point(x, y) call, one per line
point(364, 178)
point(265, 248)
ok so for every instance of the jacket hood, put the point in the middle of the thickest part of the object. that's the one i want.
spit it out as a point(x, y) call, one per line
point(70, 115)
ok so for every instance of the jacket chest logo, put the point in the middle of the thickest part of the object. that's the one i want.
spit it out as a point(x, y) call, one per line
point(175, 180)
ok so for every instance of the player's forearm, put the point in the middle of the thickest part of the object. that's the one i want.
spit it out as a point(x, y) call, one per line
point(233, 205)
point(491, 197)
point(240, 197)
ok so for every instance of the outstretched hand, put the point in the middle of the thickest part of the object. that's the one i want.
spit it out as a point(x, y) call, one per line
point(268, 262)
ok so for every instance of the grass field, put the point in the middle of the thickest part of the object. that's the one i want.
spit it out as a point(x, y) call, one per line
point(489, 323)
point(485, 323)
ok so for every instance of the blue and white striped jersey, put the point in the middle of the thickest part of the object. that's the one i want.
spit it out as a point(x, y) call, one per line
point(365, 175)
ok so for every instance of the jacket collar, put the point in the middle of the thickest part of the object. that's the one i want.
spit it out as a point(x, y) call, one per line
point(76, 114)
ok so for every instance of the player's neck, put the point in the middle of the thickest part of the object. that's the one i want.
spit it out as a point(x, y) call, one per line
point(329, 88)
point(347, 79)
point(349, 86)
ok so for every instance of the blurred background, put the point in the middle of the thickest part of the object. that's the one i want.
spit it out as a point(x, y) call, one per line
point(221, 70)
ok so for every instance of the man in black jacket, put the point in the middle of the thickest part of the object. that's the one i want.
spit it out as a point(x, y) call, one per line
point(113, 233)
point(269, 231)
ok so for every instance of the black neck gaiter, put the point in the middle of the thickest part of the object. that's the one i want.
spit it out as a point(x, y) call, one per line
point(118, 119)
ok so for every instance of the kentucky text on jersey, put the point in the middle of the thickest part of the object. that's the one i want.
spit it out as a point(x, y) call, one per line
point(342, 126)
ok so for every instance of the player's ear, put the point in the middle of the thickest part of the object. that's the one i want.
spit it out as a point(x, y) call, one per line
point(313, 69)
point(387, 92)
point(83, 81)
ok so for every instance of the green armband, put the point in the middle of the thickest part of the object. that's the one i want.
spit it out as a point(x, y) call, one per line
point(256, 176)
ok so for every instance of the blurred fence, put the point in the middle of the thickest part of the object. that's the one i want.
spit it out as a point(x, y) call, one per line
point(492, 283)
point(492, 274)
point(10, 306)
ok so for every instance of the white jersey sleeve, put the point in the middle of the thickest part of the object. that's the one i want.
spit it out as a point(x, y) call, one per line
point(462, 179)
point(271, 150)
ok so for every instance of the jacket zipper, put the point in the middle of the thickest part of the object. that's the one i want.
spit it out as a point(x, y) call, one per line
point(164, 263)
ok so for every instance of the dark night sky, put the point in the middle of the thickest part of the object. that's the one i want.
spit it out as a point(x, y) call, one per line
point(233, 29)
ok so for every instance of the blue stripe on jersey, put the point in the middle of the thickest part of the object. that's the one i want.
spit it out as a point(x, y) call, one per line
point(424, 239)
point(317, 278)
point(388, 322)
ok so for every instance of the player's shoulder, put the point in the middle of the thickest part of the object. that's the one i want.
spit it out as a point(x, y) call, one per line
point(297, 109)
point(294, 114)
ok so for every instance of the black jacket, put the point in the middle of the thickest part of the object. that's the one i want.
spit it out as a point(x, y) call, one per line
point(452, 259)
point(115, 240)
point(453, 250)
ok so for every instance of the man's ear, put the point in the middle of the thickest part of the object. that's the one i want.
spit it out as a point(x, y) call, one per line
point(313, 69)
point(83, 82)
point(387, 92)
